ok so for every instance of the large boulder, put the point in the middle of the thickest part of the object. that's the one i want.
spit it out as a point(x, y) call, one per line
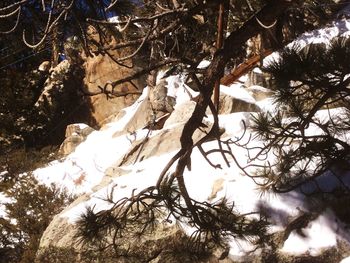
point(259, 93)
point(181, 114)
point(166, 140)
point(236, 99)
point(100, 70)
point(160, 101)
point(75, 134)
point(164, 244)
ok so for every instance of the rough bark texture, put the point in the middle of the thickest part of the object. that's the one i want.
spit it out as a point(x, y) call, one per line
point(231, 48)
point(244, 68)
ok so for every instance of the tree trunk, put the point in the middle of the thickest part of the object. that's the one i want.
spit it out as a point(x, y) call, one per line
point(222, 24)
point(232, 46)
point(55, 49)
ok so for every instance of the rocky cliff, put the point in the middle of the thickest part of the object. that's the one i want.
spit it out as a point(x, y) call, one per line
point(124, 158)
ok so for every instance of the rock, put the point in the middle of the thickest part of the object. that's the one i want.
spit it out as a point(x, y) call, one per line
point(181, 113)
point(259, 93)
point(160, 101)
point(217, 187)
point(141, 118)
point(257, 77)
point(236, 99)
point(75, 134)
point(54, 86)
point(45, 66)
point(166, 140)
point(165, 244)
point(102, 69)
point(104, 110)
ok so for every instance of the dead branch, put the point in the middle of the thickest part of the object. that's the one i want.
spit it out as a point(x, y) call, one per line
point(15, 25)
point(244, 68)
point(140, 19)
point(13, 5)
point(144, 40)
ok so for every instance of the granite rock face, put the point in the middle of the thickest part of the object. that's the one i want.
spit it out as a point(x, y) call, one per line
point(161, 103)
point(166, 242)
point(236, 99)
point(75, 134)
point(99, 71)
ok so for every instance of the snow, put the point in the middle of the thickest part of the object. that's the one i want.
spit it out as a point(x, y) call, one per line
point(317, 235)
point(95, 155)
point(3, 201)
point(102, 149)
point(3, 173)
point(237, 91)
point(179, 90)
point(339, 28)
point(203, 64)
point(84, 169)
point(81, 126)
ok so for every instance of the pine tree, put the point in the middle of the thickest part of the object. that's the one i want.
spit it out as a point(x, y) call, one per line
point(308, 133)
point(182, 33)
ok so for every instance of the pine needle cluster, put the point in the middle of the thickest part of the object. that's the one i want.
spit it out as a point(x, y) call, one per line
point(308, 134)
point(137, 217)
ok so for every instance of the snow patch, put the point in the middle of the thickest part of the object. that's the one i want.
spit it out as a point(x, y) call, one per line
point(237, 91)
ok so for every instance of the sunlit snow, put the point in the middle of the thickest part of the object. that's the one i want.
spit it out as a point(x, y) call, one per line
point(84, 169)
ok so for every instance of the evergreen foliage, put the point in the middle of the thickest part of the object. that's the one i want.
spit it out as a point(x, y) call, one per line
point(182, 33)
point(306, 143)
point(30, 206)
point(140, 214)
point(27, 123)
point(28, 213)
point(19, 93)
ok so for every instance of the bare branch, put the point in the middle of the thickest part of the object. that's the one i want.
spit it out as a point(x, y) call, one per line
point(48, 27)
point(16, 24)
point(18, 9)
point(152, 28)
point(139, 19)
point(13, 5)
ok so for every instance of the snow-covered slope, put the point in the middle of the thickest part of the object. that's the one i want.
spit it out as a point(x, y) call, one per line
point(94, 168)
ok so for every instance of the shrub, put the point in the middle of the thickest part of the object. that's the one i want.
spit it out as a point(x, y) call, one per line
point(29, 212)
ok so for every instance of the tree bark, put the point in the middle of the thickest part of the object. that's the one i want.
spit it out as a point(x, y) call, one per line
point(232, 46)
point(213, 73)
point(244, 68)
point(222, 22)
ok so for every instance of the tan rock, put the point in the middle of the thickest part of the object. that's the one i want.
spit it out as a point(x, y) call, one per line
point(230, 104)
point(100, 70)
point(165, 140)
point(181, 114)
point(259, 93)
point(75, 134)
point(45, 66)
point(217, 187)
point(160, 101)
point(140, 119)
point(53, 85)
